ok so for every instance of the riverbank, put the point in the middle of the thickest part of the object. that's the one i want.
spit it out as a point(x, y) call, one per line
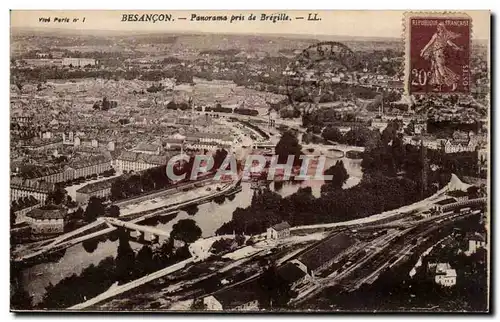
point(209, 217)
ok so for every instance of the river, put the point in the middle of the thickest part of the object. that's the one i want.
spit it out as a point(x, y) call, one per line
point(209, 217)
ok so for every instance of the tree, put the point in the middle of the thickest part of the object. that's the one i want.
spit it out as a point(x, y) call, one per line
point(339, 176)
point(219, 199)
point(219, 157)
point(113, 236)
point(105, 104)
point(240, 239)
point(410, 128)
point(95, 209)
point(332, 134)
point(117, 189)
point(166, 249)
point(473, 192)
point(198, 305)
point(221, 245)
point(125, 259)
point(21, 300)
point(278, 291)
point(78, 214)
point(12, 217)
point(145, 261)
point(288, 145)
point(114, 211)
point(186, 230)
point(90, 245)
point(191, 210)
point(57, 196)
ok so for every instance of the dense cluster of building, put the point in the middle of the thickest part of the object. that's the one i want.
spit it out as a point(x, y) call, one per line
point(63, 149)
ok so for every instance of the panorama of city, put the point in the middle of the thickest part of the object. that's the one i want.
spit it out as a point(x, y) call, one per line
point(96, 224)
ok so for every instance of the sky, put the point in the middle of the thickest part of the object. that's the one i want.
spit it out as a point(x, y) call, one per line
point(339, 23)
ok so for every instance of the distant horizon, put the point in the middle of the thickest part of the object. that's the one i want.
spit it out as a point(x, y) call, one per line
point(87, 32)
point(116, 32)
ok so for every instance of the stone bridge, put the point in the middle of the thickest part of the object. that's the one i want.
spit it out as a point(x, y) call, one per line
point(142, 233)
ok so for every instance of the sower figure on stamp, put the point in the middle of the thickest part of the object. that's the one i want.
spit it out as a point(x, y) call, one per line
point(435, 51)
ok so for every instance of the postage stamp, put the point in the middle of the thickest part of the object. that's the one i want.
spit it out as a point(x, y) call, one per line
point(437, 52)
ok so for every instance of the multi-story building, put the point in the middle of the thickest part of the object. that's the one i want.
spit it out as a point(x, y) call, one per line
point(453, 146)
point(101, 189)
point(92, 165)
point(22, 118)
point(44, 174)
point(208, 141)
point(475, 241)
point(135, 161)
point(40, 144)
point(78, 62)
point(427, 141)
point(443, 274)
point(196, 145)
point(459, 195)
point(204, 137)
point(147, 148)
point(75, 140)
point(174, 143)
point(46, 222)
point(445, 204)
point(20, 188)
point(23, 206)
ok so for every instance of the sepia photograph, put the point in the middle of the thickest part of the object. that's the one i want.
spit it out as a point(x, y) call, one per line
point(250, 161)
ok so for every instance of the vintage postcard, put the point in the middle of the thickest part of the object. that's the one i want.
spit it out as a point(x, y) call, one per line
point(250, 161)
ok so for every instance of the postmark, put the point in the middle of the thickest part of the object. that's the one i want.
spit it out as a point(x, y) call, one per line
point(314, 71)
point(437, 56)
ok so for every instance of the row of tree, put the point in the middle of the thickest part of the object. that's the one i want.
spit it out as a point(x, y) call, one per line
point(374, 194)
point(357, 136)
point(156, 178)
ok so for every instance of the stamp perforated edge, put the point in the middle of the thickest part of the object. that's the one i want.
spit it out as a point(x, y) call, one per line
point(406, 40)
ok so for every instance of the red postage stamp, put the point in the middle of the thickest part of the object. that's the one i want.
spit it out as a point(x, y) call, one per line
point(437, 53)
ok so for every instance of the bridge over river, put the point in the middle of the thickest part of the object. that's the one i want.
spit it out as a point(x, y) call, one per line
point(143, 233)
point(321, 147)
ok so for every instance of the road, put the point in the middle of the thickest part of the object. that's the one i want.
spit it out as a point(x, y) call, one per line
point(131, 285)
